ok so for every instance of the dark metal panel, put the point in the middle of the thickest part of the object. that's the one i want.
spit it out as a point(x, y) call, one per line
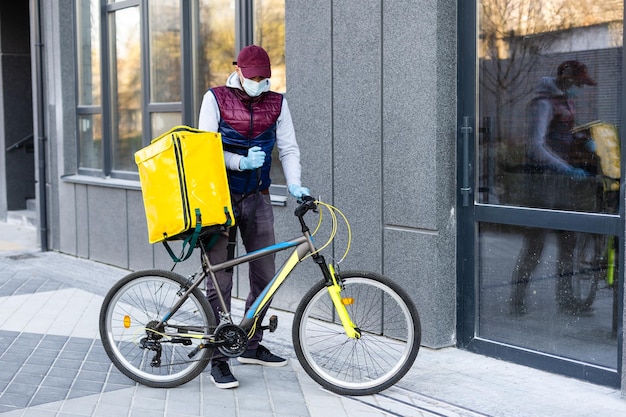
point(466, 117)
point(549, 219)
point(533, 359)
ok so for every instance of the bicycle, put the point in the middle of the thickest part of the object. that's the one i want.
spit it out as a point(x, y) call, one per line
point(354, 332)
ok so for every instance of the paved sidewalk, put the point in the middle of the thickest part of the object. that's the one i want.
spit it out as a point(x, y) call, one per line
point(52, 363)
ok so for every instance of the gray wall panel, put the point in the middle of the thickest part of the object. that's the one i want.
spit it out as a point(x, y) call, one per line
point(140, 253)
point(357, 127)
point(108, 225)
point(417, 270)
point(308, 54)
point(70, 219)
point(409, 118)
point(82, 221)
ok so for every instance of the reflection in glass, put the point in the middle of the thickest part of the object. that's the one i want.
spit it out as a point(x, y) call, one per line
point(126, 87)
point(550, 291)
point(548, 71)
point(88, 52)
point(165, 51)
point(214, 46)
point(90, 141)
point(269, 32)
point(162, 122)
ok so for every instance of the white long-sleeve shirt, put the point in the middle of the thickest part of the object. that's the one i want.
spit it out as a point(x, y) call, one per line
point(288, 150)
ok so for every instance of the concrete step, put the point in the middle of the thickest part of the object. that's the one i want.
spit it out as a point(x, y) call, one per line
point(26, 218)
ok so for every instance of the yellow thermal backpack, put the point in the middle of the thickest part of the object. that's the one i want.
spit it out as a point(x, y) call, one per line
point(184, 186)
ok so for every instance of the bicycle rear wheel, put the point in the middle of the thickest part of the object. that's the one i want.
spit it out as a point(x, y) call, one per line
point(389, 342)
point(162, 357)
point(589, 267)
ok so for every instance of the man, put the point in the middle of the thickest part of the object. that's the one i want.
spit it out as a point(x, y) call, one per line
point(251, 120)
point(560, 174)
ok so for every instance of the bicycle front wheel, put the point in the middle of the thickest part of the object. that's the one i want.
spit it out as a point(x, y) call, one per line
point(390, 335)
point(157, 356)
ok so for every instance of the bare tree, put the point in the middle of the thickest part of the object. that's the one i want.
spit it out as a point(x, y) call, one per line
point(514, 34)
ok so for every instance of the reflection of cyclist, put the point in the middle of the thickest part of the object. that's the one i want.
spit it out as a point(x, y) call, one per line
point(252, 120)
point(559, 167)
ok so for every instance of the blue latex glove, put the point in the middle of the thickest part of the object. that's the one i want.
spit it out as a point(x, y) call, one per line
point(590, 145)
point(298, 191)
point(577, 173)
point(254, 160)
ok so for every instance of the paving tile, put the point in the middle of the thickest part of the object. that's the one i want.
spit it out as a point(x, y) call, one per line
point(15, 399)
point(176, 407)
point(53, 342)
point(48, 395)
point(33, 412)
point(111, 410)
point(93, 386)
point(6, 410)
point(20, 388)
point(80, 406)
point(148, 404)
point(30, 369)
point(87, 375)
point(68, 364)
point(36, 359)
point(79, 393)
point(116, 377)
point(57, 382)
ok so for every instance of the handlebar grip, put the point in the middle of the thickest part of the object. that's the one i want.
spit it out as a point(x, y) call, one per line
point(306, 203)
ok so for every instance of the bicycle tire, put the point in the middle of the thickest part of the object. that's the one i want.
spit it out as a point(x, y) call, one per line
point(390, 335)
point(144, 297)
point(589, 268)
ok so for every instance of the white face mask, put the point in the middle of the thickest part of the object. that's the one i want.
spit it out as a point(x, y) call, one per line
point(574, 91)
point(254, 88)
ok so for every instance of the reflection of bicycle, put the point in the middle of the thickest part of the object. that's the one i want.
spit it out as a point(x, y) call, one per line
point(594, 264)
point(354, 332)
point(595, 255)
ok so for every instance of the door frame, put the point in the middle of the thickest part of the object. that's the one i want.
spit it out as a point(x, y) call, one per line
point(471, 213)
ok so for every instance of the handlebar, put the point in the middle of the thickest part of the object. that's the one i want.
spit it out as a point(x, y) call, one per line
point(306, 203)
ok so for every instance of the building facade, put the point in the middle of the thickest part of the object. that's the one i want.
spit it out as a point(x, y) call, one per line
point(409, 115)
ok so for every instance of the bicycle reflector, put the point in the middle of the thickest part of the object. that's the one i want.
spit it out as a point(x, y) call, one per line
point(127, 321)
point(347, 301)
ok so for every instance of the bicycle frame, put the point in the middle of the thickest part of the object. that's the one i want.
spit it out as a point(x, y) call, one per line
point(303, 246)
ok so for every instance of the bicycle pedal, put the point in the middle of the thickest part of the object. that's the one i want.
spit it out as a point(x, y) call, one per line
point(272, 325)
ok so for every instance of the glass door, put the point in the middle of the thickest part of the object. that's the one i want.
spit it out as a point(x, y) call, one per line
point(541, 215)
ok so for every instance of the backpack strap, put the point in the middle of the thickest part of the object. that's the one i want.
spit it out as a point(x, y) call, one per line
point(191, 240)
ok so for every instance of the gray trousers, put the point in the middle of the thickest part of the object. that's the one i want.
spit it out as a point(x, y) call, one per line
point(255, 223)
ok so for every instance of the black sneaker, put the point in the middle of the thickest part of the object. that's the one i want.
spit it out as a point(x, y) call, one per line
point(221, 375)
point(261, 356)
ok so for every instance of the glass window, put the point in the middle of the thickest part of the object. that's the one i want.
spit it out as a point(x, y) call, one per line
point(126, 111)
point(165, 51)
point(551, 291)
point(162, 122)
point(269, 32)
point(88, 52)
point(550, 104)
point(214, 46)
point(90, 141)
point(548, 130)
point(156, 69)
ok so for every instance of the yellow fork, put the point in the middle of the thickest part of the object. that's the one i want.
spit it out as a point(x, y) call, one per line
point(340, 306)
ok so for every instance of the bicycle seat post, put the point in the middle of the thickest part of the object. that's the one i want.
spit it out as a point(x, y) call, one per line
point(208, 270)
